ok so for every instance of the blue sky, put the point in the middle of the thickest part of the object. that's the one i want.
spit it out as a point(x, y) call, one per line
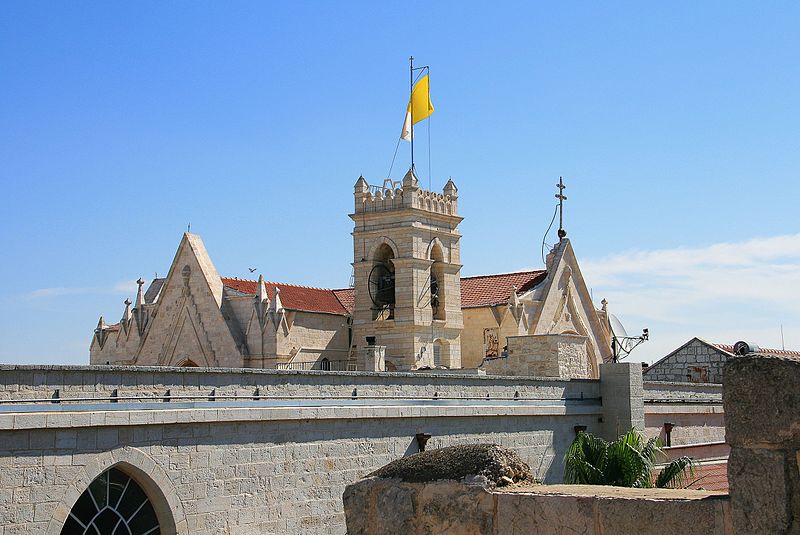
point(675, 125)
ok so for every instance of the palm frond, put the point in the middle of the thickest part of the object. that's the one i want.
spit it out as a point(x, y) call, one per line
point(676, 474)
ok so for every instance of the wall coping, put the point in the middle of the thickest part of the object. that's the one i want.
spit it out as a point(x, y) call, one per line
point(624, 493)
point(427, 374)
point(132, 414)
point(663, 384)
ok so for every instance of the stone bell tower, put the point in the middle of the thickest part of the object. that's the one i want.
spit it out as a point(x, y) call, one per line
point(406, 273)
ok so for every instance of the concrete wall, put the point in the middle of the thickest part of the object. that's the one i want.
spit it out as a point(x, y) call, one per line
point(278, 464)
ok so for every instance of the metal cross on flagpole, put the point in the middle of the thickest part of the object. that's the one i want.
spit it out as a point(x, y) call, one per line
point(561, 198)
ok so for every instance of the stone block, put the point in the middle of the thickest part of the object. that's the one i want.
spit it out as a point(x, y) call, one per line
point(519, 514)
point(759, 490)
point(762, 401)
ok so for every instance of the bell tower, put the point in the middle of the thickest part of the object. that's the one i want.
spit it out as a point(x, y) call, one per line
point(406, 268)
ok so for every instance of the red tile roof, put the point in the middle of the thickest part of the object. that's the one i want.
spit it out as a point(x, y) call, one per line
point(710, 476)
point(294, 297)
point(707, 475)
point(485, 290)
point(347, 297)
point(763, 350)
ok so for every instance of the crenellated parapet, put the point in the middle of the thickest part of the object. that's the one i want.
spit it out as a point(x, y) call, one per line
point(393, 195)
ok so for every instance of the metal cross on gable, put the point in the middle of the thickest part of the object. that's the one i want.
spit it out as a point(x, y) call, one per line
point(561, 198)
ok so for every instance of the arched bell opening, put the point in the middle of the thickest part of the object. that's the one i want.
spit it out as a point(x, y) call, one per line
point(437, 286)
point(381, 283)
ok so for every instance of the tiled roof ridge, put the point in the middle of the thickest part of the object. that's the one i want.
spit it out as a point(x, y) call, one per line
point(521, 272)
point(282, 284)
point(786, 352)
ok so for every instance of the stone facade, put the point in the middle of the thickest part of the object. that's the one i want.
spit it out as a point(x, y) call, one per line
point(696, 361)
point(543, 355)
point(409, 236)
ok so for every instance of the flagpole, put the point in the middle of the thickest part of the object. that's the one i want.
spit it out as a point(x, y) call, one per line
point(411, 105)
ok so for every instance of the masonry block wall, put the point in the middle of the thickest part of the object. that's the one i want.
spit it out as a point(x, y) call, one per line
point(276, 464)
point(623, 398)
point(697, 361)
point(543, 355)
point(695, 410)
point(762, 404)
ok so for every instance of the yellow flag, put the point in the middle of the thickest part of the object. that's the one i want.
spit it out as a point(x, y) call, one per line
point(421, 105)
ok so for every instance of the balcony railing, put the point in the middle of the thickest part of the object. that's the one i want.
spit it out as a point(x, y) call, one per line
point(321, 365)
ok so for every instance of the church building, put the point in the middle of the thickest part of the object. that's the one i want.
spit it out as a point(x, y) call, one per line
point(408, 309)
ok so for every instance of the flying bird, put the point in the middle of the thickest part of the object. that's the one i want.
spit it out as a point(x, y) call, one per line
point(252, 270)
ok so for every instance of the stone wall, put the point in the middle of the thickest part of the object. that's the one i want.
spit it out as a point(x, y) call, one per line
point(543, 355)
point(696, 361)
point(386, 507)
point(694, 409)
point(20, 382)
point(276, 464)
point(762, 404)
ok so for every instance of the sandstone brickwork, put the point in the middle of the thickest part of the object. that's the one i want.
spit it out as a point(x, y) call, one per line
point(696, 361)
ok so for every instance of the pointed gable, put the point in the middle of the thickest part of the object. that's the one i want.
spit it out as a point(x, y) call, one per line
point(192, 291)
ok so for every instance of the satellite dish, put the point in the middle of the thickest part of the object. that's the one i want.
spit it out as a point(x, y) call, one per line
point(616, 326)
point(381, 285)
point(621, 343)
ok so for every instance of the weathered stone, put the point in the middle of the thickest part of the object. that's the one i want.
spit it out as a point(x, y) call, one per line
point(447, 507)
point(762, 400)
point(758, 489)
point(496, 463)
point(524, 513)
point(375, 506)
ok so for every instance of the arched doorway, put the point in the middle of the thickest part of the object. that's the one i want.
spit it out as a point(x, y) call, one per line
point(189, 363)
point(114, 504)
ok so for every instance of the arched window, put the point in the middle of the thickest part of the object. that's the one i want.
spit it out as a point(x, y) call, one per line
point(114, 504)
point(437, 282)
point(381, 283)
point(325, 365)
